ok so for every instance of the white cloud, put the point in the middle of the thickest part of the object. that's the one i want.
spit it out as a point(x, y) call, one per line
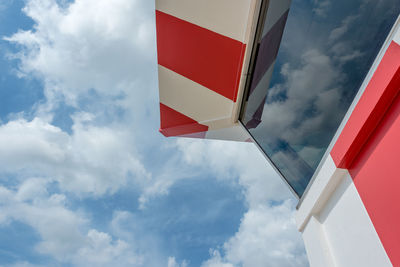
point(102, 250)
point(240, 162)
point(106, 47)
point(321, 7)
point(101, 45)
point(31, 189)
point(65, 234)
point(265, 238)
point(172, 263)
point(58, 227)
point(93, 160)
point(267, 233)
point(343, 28)
point(216, 260)
point(302, 87)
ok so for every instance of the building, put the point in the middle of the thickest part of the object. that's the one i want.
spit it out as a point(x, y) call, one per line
point(314, 84)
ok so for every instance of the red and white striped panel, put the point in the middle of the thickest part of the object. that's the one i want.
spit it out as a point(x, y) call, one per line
point(202, 50)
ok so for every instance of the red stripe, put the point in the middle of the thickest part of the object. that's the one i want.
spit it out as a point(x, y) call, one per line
point(208, 58)
point(370, 109)
point(174, 123)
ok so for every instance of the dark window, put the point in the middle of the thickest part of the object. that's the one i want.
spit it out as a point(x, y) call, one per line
point(297, 97)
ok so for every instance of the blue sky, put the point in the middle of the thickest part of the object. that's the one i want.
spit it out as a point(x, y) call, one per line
point(85, 177)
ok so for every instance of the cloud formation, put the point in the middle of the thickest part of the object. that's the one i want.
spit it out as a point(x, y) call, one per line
point(93, 160)
point(86, 45)
point(64, 233)
point(260, 240)
point(267, 230)
point(97, 58)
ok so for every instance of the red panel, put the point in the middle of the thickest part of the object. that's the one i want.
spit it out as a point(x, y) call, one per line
point(376, 174)
point(373, 104)
point(174, 123)
point(203, 56)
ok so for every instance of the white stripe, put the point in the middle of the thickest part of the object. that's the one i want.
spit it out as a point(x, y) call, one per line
point(227, 17)
point(276, 9)
point(192, 99)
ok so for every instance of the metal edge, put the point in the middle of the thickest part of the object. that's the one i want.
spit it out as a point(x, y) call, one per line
point(256, 7)
point(257, 38)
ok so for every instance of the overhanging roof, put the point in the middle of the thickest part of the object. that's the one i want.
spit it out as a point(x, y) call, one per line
point(203, 55)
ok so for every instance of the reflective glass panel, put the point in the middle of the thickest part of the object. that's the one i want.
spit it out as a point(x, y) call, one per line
point(298, 96)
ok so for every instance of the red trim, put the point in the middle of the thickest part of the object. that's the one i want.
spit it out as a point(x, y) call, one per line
point(174, 123)
point(370, 109)
point(208, 58)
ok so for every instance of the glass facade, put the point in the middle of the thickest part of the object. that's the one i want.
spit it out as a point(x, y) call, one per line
point(308, 66)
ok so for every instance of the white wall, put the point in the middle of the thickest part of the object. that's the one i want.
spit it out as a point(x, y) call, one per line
point(340, 232)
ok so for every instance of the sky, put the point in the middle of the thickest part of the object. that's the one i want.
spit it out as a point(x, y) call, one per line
point(86, 179)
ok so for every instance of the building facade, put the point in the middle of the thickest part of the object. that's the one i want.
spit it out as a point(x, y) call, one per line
point(314, 84)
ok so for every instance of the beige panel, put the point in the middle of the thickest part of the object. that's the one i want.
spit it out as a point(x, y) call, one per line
point(235, 133)
point(219, 123)
point(193, 99)
point(226, 17)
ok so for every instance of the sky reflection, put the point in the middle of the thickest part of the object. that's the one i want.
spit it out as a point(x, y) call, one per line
point(326, 51)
